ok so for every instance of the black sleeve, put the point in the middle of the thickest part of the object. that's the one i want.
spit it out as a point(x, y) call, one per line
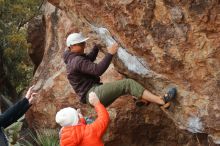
point(93, 54)
point(88, 67)
point(13, 113)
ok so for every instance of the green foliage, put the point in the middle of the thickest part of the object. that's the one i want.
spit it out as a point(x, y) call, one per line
point(13, 130)
point(16, 60)
point(14, 14)
point(43, 137)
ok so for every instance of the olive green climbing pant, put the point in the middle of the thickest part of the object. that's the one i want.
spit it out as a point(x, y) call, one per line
point(109, 92)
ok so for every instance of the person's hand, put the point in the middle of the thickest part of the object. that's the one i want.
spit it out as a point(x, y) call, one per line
point(113, 49)
point(93, 99)
point(79, 113)
point(98, 46)
point(30, 94)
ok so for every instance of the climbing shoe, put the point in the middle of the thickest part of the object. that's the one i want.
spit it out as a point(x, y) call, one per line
point(171, 94)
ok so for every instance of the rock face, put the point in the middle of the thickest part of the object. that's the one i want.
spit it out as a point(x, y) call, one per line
point(36, 36)
point(163, 43)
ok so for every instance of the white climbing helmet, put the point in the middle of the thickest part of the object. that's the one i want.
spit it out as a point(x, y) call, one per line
point(75, 38)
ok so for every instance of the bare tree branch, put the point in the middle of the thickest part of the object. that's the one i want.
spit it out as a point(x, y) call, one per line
point(22, 23)
point(6, 100)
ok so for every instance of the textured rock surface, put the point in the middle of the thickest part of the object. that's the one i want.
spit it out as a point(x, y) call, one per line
point(36, 36)
point(163, 43)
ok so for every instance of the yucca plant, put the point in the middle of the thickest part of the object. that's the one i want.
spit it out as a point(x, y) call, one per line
point(13, 131)
point(43, 137)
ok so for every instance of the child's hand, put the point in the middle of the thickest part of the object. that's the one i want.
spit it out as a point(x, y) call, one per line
point(93, 99)
point(79, 113)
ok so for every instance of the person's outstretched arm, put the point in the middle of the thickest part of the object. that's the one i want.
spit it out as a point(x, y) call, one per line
point(88, 67)
point(101, 123)
point(15, 112)
point(93, 54)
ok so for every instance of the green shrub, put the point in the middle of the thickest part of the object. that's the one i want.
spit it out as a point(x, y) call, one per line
point(43, 137)
point(15, 63)
point(13, 131)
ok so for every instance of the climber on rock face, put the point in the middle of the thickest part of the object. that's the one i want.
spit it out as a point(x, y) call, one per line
point(75, 131)
point(84, 76)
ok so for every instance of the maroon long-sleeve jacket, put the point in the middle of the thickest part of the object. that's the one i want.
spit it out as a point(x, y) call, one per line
point(82, 72)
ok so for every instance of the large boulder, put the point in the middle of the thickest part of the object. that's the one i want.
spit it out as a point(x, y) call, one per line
point(163, 43)
point(36, 36)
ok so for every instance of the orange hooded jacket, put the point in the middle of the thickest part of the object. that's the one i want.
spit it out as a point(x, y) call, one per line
point(86, 135)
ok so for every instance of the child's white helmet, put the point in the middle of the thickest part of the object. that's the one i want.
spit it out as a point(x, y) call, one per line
point(67, 117)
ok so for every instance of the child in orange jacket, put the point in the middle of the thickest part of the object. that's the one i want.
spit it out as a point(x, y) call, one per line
point(74, 130)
